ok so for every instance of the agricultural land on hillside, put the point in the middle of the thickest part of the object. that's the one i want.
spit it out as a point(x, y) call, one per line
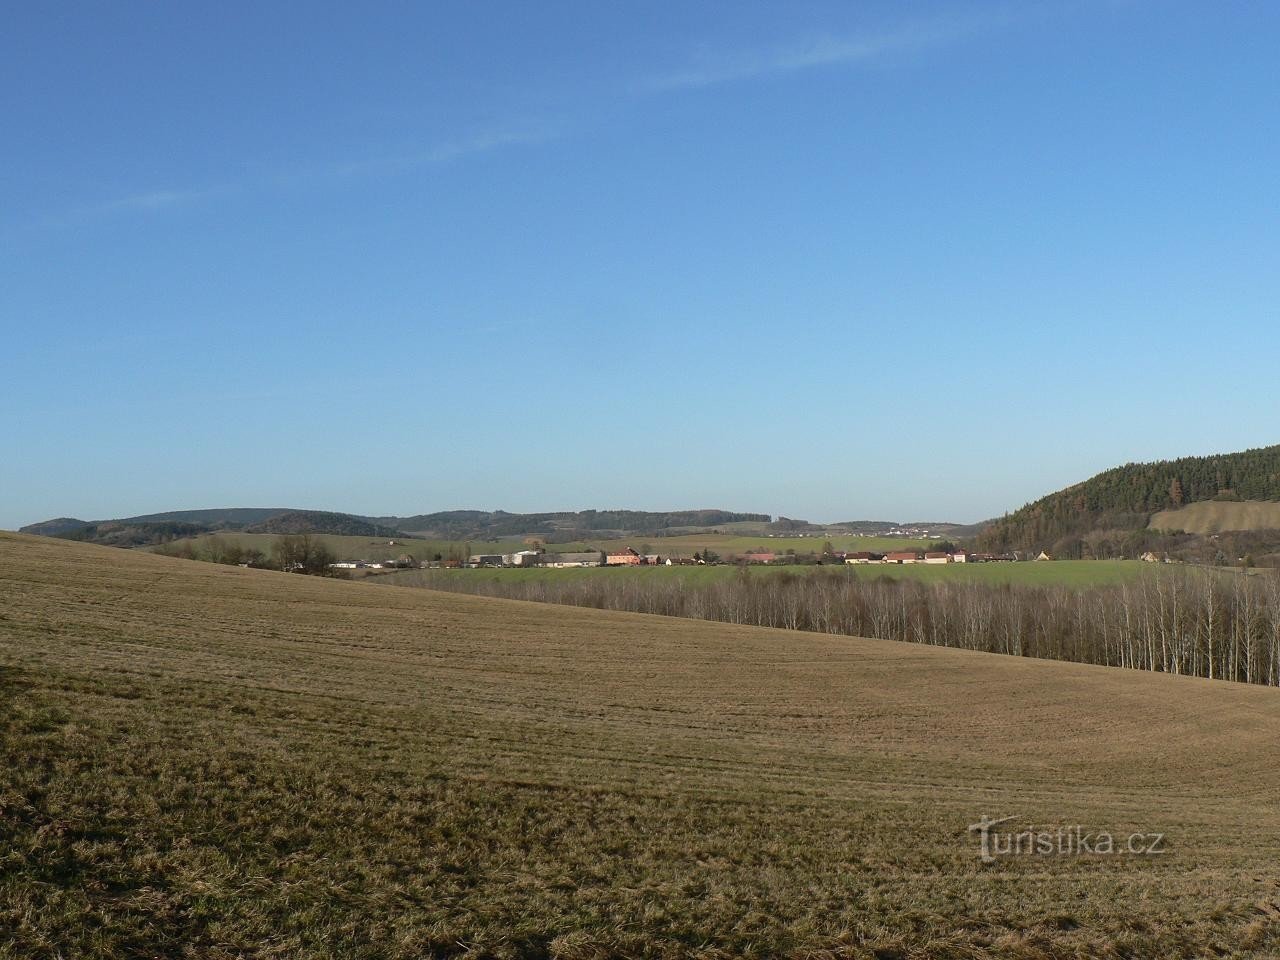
point(236, 762)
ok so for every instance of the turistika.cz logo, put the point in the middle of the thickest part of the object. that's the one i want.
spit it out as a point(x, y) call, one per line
point(1072, 841)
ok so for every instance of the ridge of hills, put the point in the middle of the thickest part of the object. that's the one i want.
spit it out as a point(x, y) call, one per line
point(1122, 511)
point(455, 525)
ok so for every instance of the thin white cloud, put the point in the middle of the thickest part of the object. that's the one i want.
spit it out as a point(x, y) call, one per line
point(444, 152)
point(154, 200)
point(825, 51)
point(450, 151)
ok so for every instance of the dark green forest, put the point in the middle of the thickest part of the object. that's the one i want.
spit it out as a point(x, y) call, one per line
point(1124, 499)
point(322, 521)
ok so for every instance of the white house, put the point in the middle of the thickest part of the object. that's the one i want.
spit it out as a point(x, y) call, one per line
point(522, 558)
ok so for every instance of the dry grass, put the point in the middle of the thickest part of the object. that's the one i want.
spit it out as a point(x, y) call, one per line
point(214, 762)
point(1219, 516)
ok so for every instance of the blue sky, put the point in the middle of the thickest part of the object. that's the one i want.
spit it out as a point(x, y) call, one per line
point(828, 260)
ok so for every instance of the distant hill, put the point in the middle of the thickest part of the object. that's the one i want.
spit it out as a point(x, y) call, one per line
point(233, 518)
point(1125, 499)
point(230, 518)
point(966, 531)
point(154, 528)
point(866, 526)
point(321, 521)
point(942, 527)
point(130, 533)
point(561, 526)
point(58, 527)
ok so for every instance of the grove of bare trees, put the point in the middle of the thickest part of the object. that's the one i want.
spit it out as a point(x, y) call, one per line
point(1205, 623)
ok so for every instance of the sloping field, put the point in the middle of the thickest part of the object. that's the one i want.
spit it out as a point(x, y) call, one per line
point(1213, 516)
point(213, 762)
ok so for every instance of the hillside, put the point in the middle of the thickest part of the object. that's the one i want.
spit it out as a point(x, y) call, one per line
point(563, 526)
point(58, 527)
point(451, 525)
point(321, 521)
point(1217, 516)
point(130, 533)
point(1125, 499)
point(229, 518)
point(162, 528)
point(223, 759)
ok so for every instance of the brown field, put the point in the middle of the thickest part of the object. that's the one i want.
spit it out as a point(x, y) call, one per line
point(206, 761)
point(1213, 516)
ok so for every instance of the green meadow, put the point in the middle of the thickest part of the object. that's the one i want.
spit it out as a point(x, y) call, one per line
point(684, 546)
point(1078, 573)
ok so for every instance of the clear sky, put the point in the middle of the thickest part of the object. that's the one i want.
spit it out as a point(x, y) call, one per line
point(829, 260)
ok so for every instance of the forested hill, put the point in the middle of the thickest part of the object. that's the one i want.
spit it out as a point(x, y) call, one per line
point(322, 521)
point(1125, 498)
point(448, 525)
point(564, 526)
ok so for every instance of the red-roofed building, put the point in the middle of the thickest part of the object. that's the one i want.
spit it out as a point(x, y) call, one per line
point(864, 556)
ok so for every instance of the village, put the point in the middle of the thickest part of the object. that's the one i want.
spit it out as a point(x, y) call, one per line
point(630, 557)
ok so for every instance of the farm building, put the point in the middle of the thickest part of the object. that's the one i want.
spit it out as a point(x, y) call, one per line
point(902, 556)
point(960, 556)
point(485, 560)
point(937, 557)
point(560, 560)
point(759, 556)
point(623, 558)
point(864, 556)
point(522, 558)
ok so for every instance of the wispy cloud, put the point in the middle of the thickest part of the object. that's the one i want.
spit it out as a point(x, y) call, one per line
point(141, 203)
point(154, 200)
point(717, 67)
point(438, 154)
point(450, 151)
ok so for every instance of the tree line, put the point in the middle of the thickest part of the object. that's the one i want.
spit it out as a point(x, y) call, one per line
point(1205, 623)
point(293, 553)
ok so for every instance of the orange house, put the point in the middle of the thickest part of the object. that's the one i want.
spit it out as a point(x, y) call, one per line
point(622, 558)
